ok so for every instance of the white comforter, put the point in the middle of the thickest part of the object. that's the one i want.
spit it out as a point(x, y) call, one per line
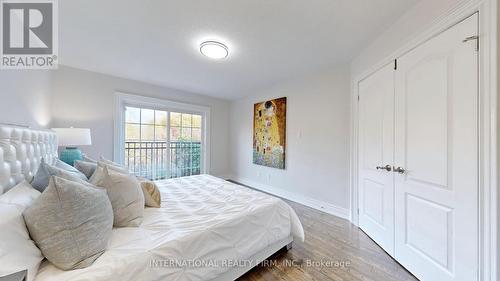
point(204, 224)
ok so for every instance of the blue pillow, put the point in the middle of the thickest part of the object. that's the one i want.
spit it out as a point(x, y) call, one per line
point(45, 171)
point(41, 179)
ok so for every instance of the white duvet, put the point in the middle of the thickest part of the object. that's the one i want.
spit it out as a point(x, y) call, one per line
point(203, 226)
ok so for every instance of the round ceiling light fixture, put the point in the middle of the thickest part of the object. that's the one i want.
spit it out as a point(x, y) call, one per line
point(214, 50)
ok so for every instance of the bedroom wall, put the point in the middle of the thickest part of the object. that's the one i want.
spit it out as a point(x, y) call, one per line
point(317, 153)
point(421, 17)
point(25, 96)
point(87, 99)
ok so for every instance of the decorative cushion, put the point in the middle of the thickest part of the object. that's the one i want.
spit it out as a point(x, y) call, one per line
point(17, 251)
point(114, 166)
point(127, 199)
point(61, 165)
point(71, 223)
point(109, 162)
point(41, 178)
point(88, 159)
point(87, 168)
point(45, 171)
point(97, 177)
point(152, 195)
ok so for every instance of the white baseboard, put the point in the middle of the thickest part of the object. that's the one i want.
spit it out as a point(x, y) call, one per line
point(292, 196)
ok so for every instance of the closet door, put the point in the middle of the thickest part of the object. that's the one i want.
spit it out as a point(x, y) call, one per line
point(436, 157)
point(376, 156)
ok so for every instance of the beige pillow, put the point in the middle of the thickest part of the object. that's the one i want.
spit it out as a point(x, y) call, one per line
point(152, 196)
point(114, 167)
point(126, 196)
point(97, 177)
point(71, 223)
point(88, 159)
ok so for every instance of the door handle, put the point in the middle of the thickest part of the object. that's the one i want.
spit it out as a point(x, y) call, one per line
point(399, 170)
point(388, 168)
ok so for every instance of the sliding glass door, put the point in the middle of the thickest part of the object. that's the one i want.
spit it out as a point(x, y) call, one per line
point(161, 144)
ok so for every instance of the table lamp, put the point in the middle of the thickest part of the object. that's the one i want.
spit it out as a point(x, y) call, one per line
point(71, 138)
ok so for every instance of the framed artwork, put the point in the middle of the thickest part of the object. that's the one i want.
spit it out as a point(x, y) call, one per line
point(269, 133)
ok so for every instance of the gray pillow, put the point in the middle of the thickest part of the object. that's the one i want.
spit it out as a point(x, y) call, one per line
point(70, 223)
point(87, 168)
point(45, 171)
point(127, 199)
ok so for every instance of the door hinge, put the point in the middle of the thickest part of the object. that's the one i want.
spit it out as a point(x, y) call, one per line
point(395, 64)
point(470, 38)
point(358, 211)
point(358, 97)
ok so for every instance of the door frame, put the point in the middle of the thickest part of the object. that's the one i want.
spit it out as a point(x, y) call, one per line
point(123, 99)
point(487, 231)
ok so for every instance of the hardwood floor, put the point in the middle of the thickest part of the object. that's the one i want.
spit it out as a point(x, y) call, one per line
point(347, 254)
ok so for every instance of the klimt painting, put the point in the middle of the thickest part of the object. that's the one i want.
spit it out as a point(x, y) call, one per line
point(269, 133)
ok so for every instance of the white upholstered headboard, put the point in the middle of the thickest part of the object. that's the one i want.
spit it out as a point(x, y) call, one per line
point(21, 150)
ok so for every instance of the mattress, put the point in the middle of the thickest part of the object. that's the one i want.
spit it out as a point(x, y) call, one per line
point(205, 227)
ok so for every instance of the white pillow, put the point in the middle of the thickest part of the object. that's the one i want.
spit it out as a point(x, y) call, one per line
point(22, 195)
point(17, 251)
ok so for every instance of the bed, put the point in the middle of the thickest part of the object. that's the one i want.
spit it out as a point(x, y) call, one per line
point(206, 229)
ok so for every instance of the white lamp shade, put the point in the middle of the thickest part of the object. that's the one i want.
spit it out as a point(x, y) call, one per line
point(73, 136)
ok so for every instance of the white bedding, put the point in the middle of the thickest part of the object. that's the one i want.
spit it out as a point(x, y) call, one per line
point(204, 224)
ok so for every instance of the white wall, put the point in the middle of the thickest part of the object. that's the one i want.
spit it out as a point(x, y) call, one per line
point(25, 97)
point(317, 153)
point(87, 99)
point(421, 17)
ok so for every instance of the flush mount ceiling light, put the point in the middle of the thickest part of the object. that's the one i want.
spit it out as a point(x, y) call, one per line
point(214, 49)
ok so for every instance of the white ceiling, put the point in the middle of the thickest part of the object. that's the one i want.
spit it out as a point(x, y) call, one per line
point(157, 41)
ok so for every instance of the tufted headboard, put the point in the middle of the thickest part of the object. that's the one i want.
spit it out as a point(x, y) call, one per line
point(21, 150)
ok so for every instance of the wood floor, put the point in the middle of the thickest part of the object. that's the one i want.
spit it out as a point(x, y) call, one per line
point(347, 254)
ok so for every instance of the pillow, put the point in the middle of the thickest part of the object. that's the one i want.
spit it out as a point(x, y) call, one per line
point(88, 159)
point(98, 176)
point(71, 223)
point(17, 251)
point(127, 199)
point(66, 167)
point(22, 195)
point(152, 196)
point(114, 166)
point(87, 168)
point(45, 171)
point(109, 162)
point(41, 178)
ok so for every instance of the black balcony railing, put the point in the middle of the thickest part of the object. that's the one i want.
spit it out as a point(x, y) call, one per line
point(151, 160)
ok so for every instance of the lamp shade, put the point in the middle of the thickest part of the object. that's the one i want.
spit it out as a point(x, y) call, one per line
point(73, 136)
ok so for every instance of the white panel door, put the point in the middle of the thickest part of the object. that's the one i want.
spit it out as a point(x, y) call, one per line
point(376, 156)
point(436, 150)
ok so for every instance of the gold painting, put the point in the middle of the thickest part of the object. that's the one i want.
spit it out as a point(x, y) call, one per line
point(269, 133)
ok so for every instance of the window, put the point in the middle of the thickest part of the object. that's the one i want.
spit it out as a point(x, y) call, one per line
point(185, 144)
point(159, 141)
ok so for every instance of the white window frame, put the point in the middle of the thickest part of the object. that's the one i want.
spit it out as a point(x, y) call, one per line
point(123, 100)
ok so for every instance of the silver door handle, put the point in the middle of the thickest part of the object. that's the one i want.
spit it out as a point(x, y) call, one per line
point(388, 168)
point(399, 170)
